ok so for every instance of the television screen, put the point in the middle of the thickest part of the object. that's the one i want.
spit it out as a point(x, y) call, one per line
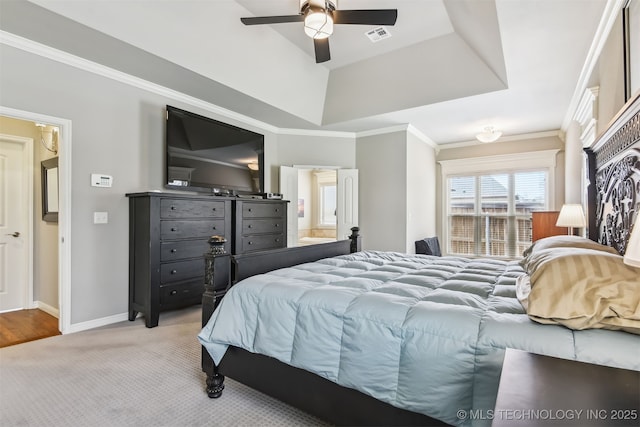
point(204, 154)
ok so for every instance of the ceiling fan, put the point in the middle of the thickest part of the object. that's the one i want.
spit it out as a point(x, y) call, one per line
point(319, 17)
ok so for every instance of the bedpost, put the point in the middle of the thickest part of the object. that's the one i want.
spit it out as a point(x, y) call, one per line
point(592, 201)
point(216, 283)
point(356, 240)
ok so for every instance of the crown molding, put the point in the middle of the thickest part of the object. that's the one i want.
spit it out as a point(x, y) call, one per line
point(532, 135)
point(66, 58)
point(609, 16)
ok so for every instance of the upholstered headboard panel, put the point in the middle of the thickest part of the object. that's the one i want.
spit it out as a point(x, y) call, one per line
point(614, 179)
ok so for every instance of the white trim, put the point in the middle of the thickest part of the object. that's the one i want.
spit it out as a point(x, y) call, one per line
point(96, 323)
point(609, 17)
point(310, 132)
point(64, 214)
point(532, 135)
point(83, 64)
point(519, 161)
point(586, 115)
point(28, 165)
point(68, 59)
point(48, 309)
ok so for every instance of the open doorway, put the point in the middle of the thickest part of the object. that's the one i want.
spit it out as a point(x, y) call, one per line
point(323, 203)
point(317, 205)
point(50, 264)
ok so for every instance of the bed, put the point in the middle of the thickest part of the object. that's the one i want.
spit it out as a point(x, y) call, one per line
point(383, 338)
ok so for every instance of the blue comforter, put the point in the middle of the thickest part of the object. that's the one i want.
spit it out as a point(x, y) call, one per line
point(419, 332)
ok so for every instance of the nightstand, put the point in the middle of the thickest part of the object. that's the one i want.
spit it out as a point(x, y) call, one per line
point(540, 390)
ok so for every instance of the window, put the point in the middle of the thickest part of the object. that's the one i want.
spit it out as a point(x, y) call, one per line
point(325, 195)
point(328, 204)
point(489, 214)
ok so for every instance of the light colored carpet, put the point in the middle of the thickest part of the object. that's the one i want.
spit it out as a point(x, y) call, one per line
point(128, 375)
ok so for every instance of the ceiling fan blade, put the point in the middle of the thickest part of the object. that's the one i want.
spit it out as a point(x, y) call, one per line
point(366, 17)
point(322, 50)
point(257, 20)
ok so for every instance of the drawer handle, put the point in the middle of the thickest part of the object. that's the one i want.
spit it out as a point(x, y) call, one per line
point(173, 208)
point(249, 226)
point(213, 209)
point(174, 229)
point(277, 225)
point(173, 251)
point(174, 271)
point(173, 292)
point(213, 228)
point(250, 242)
point(277, 240)
point(277, 210)
point(249, 209)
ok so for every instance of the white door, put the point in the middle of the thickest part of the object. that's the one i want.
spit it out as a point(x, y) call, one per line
point(347, 203)
point(289, 191)
point(16, 155)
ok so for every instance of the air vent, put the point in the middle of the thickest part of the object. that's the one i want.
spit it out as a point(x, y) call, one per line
point(378, 34)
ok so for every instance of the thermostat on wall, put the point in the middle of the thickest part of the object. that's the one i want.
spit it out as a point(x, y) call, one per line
point(100, 180)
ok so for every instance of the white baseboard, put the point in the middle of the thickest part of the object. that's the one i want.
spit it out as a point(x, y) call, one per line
point(47, 309)
point(82, 326)
point(96, 323)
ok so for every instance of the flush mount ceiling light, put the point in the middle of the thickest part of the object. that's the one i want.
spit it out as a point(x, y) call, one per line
point(489, 135)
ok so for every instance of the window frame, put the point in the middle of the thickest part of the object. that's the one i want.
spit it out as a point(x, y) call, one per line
point(321, 179)
point(544, 160)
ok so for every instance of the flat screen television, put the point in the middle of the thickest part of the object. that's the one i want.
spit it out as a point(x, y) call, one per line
point(205, 155)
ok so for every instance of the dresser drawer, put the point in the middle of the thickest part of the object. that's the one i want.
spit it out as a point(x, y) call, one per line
point(181, 249)
point(184, 293)
point(180, 208)
point(262, 242)
point(262, 210)
point(258, 226)
point(180, 270)
point(187, 229)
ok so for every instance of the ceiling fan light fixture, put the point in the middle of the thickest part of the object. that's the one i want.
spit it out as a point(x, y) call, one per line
point(318, 24)
point(489, 135)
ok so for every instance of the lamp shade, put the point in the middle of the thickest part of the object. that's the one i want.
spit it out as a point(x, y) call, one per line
point(571, 216)
point(632, 253)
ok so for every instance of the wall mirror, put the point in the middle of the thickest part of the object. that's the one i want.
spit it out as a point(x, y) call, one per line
point(50, 190)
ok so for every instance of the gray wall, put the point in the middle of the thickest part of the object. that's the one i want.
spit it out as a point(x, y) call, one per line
point(117, 129)
point(397, 191)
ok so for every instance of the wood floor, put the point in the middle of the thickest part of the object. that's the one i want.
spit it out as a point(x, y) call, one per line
point(26, 325)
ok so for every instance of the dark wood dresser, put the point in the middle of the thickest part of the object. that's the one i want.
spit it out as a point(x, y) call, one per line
point(259, 225)
point(168, 237)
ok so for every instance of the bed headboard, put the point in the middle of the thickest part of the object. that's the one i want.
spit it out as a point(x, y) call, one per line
point(613, 192)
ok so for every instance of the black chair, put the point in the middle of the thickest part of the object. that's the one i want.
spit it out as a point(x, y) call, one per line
point(428, 246)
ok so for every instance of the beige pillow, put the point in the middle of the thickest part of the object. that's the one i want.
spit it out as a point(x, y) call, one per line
point(563, 241)
point(583, 288)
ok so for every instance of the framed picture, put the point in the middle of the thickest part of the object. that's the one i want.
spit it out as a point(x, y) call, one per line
point(300, 208)
point(49, 169)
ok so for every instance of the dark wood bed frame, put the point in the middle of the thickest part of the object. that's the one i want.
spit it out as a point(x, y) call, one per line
point(613, 204)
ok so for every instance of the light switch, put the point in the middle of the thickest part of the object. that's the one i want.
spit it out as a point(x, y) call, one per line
point(100, 217)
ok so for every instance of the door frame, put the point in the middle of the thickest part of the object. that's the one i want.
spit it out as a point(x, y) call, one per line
point(64, 215)
point(28, 168)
